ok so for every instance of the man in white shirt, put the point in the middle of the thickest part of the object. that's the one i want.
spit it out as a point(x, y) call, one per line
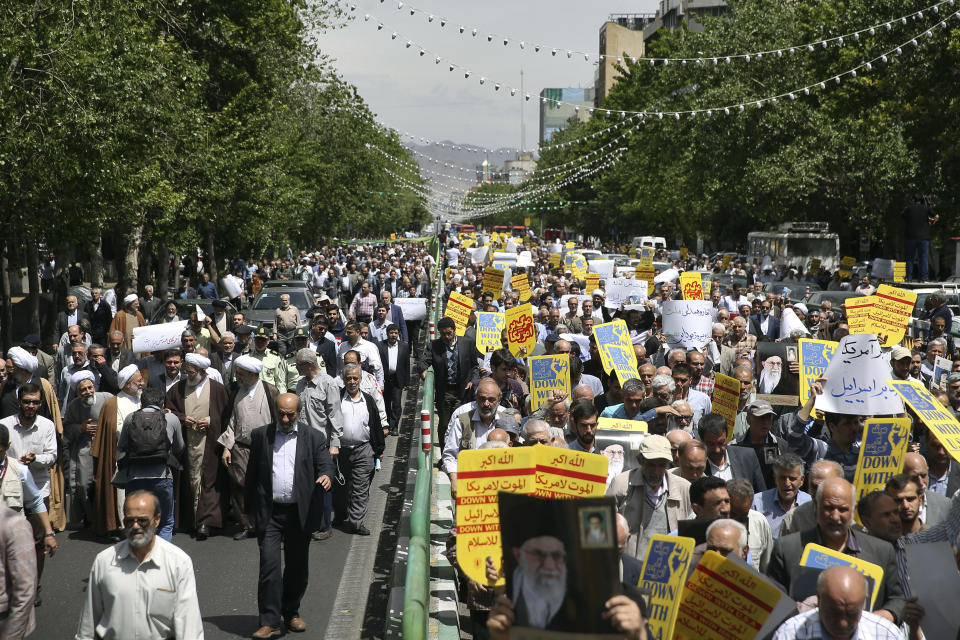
point(33, 438)
point(143, 586)
point(369, 356)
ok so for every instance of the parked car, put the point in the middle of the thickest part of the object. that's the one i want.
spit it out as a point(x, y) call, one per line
point(261, 311)
point(798, 290)
point(186, 306)
point(836, 298)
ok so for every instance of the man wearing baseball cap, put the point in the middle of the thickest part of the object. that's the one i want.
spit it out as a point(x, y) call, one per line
point(760, 417)
point(900, 358)
point(651, 499)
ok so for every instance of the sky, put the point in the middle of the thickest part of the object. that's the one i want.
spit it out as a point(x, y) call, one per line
point(412, 94)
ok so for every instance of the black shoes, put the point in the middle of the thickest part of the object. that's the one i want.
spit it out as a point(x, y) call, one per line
point(203, 532)
point(243, 534)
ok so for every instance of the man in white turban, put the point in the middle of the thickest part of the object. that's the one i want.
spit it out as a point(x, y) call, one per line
point(198, 401)
point(252, 404)
point(127, 319)
point(103, 449)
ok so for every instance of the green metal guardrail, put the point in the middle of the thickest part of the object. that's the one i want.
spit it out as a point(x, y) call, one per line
point(416, 601)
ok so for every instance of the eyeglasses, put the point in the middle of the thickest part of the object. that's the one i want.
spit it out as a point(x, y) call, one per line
point(540, 556)
point(30, 402)
point(143, 522)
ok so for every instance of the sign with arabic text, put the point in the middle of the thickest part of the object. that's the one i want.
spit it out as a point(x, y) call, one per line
point(858, 313)
point(493, 281)
point(857, 379)
point(687, 324)
point(891, 313)
point(459, 308)
point(691, 284)
point(933, 414)
point(726, 400)
point(521, 332)
point(521, 284)
point(565, 473)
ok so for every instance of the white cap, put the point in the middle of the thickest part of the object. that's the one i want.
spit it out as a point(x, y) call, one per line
point(249, 363)
point(80, 376)
point(197, 360)
point(127, 299)
point(123, 377)
point(23, 359)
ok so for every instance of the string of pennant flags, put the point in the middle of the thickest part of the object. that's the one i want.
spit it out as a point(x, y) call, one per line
point(862, 67)
point(711, 60)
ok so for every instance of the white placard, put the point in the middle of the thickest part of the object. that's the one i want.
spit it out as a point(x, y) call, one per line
point(413, 308)
point(789, 322)
point(524, 259)
point(563, 302)
point(619, 289)
point(687, 323)
point(580, 339)
point(882, 269)
point(857, 379)
point(506, 257)
point(158, 337)
point(201, 316)
point(668, 275)
point(232, 285)
point(478, 255)
point(603, 267)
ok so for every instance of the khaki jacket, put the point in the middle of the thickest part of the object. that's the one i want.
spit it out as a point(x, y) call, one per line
point(629, 491)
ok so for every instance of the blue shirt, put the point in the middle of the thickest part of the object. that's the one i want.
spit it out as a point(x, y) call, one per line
point(768, 503)
point(208, 290)
point(617, 411)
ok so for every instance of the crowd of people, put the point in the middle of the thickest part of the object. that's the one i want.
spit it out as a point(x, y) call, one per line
point(785, 479)
point(265, 431)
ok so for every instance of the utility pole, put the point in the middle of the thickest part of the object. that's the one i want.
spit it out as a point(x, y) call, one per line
point(523, 123)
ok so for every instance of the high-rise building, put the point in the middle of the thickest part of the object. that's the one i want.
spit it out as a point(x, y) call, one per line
point(559, 106)
point(621, 35)
point(672, 13)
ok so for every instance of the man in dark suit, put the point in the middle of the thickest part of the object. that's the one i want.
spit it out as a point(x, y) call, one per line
point(454, 364)
point(73, 315)
point(395, 356)
point(728, 462)
point(630, 568)
point(834, 505)
point(288, 472)
point(100, 314)
point(764, 323)
point(396, 314)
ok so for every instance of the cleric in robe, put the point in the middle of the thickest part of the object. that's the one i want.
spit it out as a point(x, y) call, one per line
point(199, 402)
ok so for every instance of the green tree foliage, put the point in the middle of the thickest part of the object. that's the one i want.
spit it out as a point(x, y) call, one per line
point(850, 154)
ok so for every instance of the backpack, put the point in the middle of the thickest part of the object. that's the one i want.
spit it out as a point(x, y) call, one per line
point(148, 442)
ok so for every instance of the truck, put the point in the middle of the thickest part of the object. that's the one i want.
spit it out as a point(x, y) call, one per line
point(657, 242)
point(796, 244)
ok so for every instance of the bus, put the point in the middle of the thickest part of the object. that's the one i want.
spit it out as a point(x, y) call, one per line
point(796, 244)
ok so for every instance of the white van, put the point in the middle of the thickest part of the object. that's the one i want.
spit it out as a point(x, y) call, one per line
point(657, 242)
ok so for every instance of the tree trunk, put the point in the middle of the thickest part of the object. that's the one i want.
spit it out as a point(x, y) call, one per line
point(145, 267)
point(131, 252)
point(211, 256)
point(33, 286)
point(6, 333)
point(163, 272)
point(177, 266)
point(96, 264)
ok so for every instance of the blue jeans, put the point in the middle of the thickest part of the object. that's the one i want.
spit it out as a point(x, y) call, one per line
point(163, 489)
point(924, 247)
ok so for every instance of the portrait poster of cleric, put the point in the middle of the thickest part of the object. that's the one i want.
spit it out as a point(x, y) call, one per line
point(774, 373)
point(560, 562)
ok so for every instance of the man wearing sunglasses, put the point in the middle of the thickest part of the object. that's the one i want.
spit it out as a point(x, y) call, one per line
point(143, 586)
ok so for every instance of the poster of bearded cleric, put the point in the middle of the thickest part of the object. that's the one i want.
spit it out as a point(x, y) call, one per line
point(561, 564)
point(777, 373)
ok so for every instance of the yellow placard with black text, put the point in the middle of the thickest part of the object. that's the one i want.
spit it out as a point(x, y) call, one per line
point(459, 308)
point(489, 331)
point(521, 284)
point(933, 414)
point(521, 332)
point(726, 400)
point(664, 573)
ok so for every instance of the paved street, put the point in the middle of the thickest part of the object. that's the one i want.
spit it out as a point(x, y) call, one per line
point(227, 576)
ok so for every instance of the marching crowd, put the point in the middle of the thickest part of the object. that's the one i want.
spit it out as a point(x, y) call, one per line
point(251, 431)
point(784, 480)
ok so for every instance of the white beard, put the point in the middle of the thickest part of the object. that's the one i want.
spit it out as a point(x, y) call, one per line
point(769, 381)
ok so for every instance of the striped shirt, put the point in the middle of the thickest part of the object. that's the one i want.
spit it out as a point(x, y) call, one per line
point(945, 531)
point(806, 626)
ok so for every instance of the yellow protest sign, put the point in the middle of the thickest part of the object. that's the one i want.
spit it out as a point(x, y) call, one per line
point(814, 265)
point(858, 313)
point(891, 313)
point(899, 271)
point(707, 285)
point(726, 400)
point(521, 332)
point(521, 284)
point(663, 576)
point(555, 259)
point(722, 596)
point(846, 265)
point(691, 285)
point(547, 374)
point(616, 349)
point(564, 473)
point(814, 357)
point(727, 257)
point(882, 450)
point(568, 245)
point(646, 274)
point(526, 222)
point(593, 282)
point(393, 236)
point(459, 307)
point(646, 256)
point(622, 424)
point(481, 474)
point(937, 417)
point(576, 263)
point(683, 253)
point(493, 281)
point(489, 331)
point(820, 557)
